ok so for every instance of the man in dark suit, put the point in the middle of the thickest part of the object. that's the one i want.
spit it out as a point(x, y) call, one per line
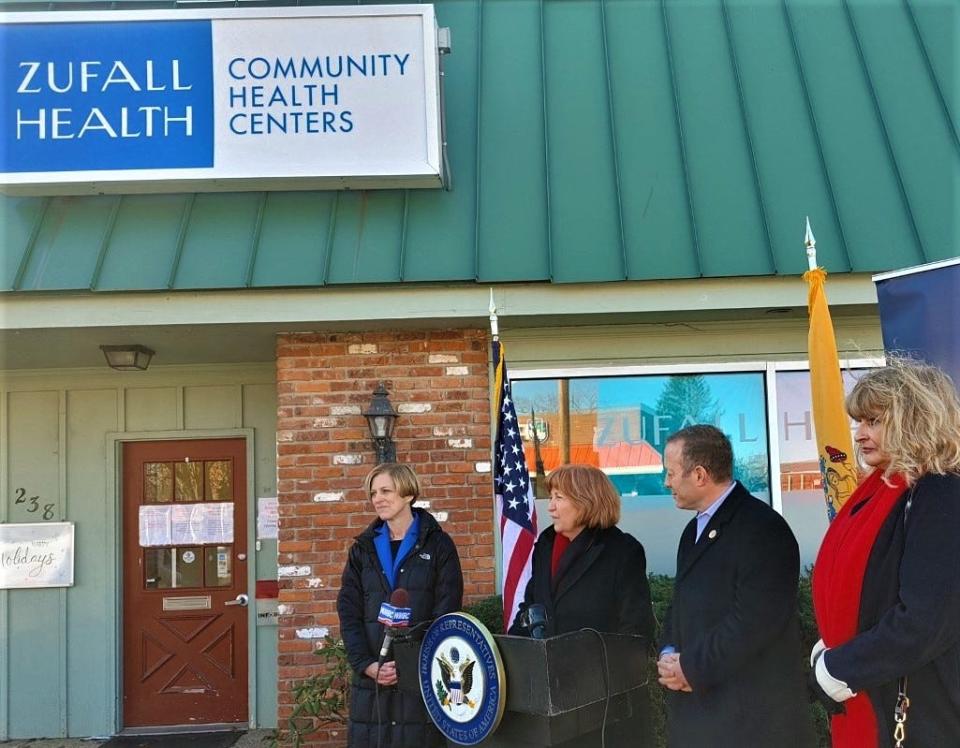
point(730, 653)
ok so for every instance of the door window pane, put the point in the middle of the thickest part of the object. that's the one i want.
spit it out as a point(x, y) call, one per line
point(159, 568)
point(219, 480)
point(219, 568)
point(189, 481)
point(157, 482)
point(172, 568)
point(189, 569)
point(621, 424)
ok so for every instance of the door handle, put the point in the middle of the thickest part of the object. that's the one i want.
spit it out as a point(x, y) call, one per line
point(241, 600)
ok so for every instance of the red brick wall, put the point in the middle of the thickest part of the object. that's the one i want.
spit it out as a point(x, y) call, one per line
point(439, 382)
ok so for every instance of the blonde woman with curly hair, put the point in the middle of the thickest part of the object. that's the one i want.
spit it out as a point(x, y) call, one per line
point(886, 585)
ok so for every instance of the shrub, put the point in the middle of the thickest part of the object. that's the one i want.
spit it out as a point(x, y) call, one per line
point(322, 699)
point(661, 596)
point(808, 637)
point(489, 611)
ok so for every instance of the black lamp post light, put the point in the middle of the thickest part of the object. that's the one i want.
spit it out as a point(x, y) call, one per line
point(381, 418)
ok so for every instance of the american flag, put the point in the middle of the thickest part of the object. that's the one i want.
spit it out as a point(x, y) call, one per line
point(516, 510)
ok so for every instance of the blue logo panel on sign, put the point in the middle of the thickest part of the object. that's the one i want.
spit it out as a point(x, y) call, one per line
point(102, 96)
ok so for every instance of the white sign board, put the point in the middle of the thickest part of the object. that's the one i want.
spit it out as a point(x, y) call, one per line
point(36, 555)
point(268, 518)
point(186, 524)
point(220, 99)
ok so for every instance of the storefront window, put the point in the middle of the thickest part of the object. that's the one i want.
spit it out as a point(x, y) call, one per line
point(804, 503)
point(621, 424)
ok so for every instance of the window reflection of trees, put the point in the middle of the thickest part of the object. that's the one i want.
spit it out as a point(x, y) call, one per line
point(189, 478)
point(219, 480)
point(157, 482)
point(687, 400)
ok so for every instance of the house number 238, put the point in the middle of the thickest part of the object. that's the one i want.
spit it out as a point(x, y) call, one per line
point(33, 504)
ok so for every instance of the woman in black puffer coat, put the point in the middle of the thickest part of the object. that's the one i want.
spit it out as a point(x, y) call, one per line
point(403, 548)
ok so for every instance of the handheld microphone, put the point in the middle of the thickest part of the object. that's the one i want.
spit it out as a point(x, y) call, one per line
point(393, 615)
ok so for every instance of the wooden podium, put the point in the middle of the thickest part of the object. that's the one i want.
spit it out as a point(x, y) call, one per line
point(557, 690)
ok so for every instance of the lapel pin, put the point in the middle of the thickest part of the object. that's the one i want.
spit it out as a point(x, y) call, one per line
point(712, 534)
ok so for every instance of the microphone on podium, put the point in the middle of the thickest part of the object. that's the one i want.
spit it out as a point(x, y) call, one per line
point(393, 615)
point(532, 619)
point(537, 621)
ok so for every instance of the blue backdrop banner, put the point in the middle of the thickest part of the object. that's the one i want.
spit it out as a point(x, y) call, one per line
point(920, 313)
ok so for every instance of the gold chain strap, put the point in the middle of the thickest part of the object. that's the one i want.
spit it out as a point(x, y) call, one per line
point(900, 714)
point(903, 703)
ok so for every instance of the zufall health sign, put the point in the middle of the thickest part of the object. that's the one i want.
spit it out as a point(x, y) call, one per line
point(153, 101)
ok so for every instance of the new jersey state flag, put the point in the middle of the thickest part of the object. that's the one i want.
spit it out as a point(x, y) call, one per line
point(830, 420)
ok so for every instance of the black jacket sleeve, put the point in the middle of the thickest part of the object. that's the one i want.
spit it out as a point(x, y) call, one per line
point(925, 623)
point(516, 629)
point(350, 610)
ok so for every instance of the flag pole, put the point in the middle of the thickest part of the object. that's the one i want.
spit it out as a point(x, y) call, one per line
point(838, 471)
point(514, 501)
point(495, 363)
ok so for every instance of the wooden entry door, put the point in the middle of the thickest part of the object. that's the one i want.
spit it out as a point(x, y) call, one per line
point(184, 582)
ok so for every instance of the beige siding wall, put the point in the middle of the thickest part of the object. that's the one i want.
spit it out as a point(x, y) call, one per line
point(769, 337)
point(54, 426)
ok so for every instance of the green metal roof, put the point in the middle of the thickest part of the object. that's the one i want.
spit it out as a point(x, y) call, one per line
point(589, 140)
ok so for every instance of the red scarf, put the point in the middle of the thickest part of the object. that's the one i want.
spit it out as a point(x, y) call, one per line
point(560, 544)
point(838, 584)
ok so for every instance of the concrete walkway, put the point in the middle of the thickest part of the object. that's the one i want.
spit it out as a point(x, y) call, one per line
point(251, 739)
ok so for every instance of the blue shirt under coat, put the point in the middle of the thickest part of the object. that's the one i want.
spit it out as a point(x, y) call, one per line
point(381, 542)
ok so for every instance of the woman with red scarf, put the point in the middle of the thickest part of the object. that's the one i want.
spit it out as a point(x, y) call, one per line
point(886, 584)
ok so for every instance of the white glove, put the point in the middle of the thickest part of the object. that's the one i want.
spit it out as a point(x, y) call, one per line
point(834, 688)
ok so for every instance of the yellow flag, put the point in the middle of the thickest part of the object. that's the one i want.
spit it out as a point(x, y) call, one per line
point(830, 420)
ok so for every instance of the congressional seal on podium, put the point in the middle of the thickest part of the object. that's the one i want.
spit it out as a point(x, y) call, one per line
point(462, 679)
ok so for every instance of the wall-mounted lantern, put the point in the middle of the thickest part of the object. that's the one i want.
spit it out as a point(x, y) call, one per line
point(381, 418)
